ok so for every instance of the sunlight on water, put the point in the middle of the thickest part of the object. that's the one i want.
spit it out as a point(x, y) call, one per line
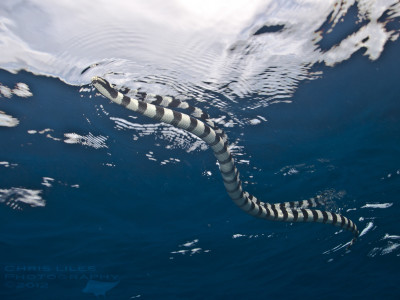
point(90, 140)
point(18, 198)
point(193, 48)
point(8, 121)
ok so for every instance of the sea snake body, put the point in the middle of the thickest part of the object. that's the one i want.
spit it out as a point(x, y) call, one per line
point(294, 211)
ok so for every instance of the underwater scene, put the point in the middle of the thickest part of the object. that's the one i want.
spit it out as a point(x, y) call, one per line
point(245, 131)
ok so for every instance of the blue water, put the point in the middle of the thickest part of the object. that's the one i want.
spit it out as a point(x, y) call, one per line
point(115, 224)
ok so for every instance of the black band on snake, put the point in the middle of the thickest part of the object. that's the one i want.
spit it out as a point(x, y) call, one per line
point(216, 139)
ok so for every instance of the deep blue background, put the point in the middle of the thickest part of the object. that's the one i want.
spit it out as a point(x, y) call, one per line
point(342, 131)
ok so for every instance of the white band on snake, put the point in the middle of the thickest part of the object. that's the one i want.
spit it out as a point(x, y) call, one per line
point(206, 130)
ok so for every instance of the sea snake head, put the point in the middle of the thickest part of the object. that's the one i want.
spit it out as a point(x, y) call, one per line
point(104, 87)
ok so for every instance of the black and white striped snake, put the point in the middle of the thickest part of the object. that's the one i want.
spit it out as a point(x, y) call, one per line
point(205, 129)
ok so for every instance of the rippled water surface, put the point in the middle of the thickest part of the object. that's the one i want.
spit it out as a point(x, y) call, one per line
point(96, 201)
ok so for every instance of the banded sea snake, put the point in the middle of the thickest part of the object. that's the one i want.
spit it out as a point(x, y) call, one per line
point(204, 128)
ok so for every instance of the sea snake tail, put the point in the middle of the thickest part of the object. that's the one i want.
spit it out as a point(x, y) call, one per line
point(286, 211)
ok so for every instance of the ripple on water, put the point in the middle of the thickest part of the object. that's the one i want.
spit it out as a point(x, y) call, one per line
point(263, 50)
point(19, 198)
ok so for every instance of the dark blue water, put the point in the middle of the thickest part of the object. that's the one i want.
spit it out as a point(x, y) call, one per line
point(118, 225)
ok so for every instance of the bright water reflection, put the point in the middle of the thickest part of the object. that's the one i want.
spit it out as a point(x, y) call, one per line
point(261, 49)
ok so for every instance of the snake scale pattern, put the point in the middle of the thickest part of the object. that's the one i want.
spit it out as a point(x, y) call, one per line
point(200, 125)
